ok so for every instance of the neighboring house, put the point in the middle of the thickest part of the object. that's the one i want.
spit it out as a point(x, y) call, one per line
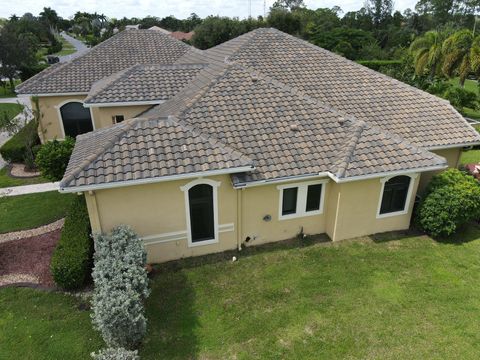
point(180, 35)
point(256, 140)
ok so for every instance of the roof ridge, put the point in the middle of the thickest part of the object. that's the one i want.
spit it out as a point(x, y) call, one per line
point(102, 147)
point(343, 161)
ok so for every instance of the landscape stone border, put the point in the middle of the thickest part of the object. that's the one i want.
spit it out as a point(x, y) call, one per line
point(17, 235)
point(16, 171)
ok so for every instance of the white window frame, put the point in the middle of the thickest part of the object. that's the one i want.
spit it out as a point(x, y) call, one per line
point(407, 201)
point(59, 113)
point(114, 118)
point(185, 189)
point(301, 199)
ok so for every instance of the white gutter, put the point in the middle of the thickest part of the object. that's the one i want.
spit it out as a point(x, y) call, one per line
point(444, 147)
point(118, 184)
point(54, 94)
point(123, 103)
point(279, 180)
point(388, 173)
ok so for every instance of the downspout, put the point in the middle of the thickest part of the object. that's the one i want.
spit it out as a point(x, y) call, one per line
point(337, 210)
point(93, 211)
point(239, 218)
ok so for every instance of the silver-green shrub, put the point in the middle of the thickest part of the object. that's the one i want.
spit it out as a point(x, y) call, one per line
point(116, 354)
point(121, 286)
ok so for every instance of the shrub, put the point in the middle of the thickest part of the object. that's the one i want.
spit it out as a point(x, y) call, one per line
point(52, 158)
point(461, 98)
point(72, 259)
point(380, 65)
point(26, 72)
point(121, 286)
point(451, 200)
point(15, 149)
point(116, 354)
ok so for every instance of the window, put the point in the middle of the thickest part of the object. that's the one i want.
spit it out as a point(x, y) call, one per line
point(303, 199)
point(289, 204)
point(117, 119)
point(201, 211)
point(395, 195)
point(76, 119)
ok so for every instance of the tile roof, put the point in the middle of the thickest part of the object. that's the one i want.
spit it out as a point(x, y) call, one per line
point(143, 83)
point(287, 107)
point(146, 149)
point(421, 118)
point(280, 129)
point(117, 53)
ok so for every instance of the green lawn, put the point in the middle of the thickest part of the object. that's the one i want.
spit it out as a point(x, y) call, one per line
point(470, 85)
point(8, 181)
point(67, 48)
point(37, 325)
point(32, 210)
point(10, 109)
point(386, 297)
point(470, 156)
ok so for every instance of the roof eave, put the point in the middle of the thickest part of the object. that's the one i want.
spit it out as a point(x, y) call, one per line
point(83, 188)
point(123, 103)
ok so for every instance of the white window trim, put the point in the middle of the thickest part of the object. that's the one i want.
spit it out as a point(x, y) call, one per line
point(407, 201)
point(301, 199)
point(59, 114)
point(185, 189)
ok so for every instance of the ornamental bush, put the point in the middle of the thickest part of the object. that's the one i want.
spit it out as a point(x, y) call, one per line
point(52, 158)
point(15, 149)
point(451, 200)
point(116, 354)
point(121, 286)
point(72, 259)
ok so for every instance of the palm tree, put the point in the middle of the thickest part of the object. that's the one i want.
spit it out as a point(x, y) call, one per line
point(461, 55)
point(50, 16)
point(427, 52)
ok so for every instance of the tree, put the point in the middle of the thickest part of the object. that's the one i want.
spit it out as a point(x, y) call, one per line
point(50, 17)
point(288, 4)
point(427, 52)
point(380, 11)
point(16, 50)
point(461, 55)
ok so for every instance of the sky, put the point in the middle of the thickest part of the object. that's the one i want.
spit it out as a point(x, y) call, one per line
point(161, 8)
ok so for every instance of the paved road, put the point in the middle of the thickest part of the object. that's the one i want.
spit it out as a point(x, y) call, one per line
point(4, 136)
point(79, 46)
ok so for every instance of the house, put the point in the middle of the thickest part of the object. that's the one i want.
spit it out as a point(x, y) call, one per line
point(256, 140)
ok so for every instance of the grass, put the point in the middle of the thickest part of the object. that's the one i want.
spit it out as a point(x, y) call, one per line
point(8, 181)
point(11, 110)
point(6, 91)
point(385, 297)
point(67, 48)
point(44, 326)
point(470, 157)
point(470, 85)
point(29, 211)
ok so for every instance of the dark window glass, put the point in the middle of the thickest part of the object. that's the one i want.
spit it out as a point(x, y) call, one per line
point(395, 194)
point(289, 203)
point(118, 119)
point(313, 197)
point(76, 119)
point(201, 212)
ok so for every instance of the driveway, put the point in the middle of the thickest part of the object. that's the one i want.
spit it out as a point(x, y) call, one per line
point(25, 101)
point(79, 46)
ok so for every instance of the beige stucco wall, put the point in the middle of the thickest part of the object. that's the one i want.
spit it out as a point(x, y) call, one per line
point(265, 200)
point(50, 121)
point(352, 210)
point(451, 155)
point(103, 115)
point(157, 210)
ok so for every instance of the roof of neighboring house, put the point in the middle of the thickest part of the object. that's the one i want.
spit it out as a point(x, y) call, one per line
point(280, 104)
point(180, 35)
point(121, 51)
point(143, 83)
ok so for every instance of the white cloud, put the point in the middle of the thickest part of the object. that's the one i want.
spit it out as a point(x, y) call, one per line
point(162, 8)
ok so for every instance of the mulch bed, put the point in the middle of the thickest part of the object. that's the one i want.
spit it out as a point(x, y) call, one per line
point(30, 256)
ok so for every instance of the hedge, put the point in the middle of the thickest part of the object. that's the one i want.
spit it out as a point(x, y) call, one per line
point(72, 259)
point(14, 149)
point(53, 156)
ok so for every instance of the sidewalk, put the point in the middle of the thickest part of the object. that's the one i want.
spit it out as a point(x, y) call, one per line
point(29, 189)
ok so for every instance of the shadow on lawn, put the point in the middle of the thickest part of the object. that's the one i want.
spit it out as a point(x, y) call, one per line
point(172, 319)
point(246, 251)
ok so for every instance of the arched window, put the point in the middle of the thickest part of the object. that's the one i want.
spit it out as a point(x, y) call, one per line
point(76, 119)
point(395, 195)
point(201, 206)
